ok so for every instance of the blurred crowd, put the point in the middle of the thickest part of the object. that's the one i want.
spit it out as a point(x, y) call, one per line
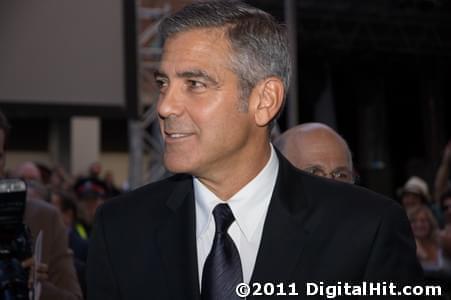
point(76, 199)
point(430, 219)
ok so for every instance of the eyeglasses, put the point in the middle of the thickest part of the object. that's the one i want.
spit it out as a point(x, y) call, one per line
point(343, 175)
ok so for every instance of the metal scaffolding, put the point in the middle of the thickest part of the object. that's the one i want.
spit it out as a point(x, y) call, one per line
point(145, 140)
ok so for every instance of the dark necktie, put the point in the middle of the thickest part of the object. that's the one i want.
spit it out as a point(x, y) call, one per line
point(222, 270)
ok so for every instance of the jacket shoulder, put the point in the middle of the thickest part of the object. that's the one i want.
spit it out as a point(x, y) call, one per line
point(151, 197)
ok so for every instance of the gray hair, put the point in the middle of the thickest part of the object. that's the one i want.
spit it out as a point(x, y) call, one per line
point(259, 44)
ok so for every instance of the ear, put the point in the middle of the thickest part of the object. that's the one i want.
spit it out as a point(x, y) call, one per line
point(268, 99)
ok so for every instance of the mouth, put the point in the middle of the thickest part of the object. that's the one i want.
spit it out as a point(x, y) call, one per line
point(174, 136)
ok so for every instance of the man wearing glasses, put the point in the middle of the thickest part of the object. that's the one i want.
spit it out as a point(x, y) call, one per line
point(318, 149)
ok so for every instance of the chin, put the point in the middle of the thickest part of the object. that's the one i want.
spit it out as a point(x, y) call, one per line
point(177, 165)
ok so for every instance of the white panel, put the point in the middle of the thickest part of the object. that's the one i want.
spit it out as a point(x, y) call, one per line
point(85, 143)
point(62, 52)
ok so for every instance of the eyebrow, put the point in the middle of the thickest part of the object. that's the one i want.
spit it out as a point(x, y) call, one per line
point(157, 74)
point(195, 73)
point(319, 167)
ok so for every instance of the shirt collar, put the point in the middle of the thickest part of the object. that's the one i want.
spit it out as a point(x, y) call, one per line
point(248, 205)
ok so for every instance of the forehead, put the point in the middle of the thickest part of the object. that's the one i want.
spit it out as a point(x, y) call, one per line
point(325, 151)
point(196, 48)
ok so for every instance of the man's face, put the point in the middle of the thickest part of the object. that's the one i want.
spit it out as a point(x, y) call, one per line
point(409, 200)
point(321, 154)
point(203, 129)
point(89, 207)
point(2, 152)
point(421, 226)
point(95, 169)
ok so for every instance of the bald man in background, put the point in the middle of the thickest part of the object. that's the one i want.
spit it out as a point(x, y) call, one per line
point(318, 149)
point(28, 170)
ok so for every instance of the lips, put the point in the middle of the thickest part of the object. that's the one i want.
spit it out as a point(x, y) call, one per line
point(177, 135)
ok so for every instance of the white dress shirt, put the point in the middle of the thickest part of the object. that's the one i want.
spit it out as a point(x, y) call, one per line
point(249, 206)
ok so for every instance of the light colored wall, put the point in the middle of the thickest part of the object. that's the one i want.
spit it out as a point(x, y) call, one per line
point(14, 158)
point(116, 162)
point(85, 143)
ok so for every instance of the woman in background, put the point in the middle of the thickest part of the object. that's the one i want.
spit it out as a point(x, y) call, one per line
point(436, 266)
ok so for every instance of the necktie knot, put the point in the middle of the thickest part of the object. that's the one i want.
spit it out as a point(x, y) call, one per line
point(223, 217)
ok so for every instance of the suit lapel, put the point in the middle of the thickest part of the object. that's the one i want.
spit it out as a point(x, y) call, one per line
point(177, 243)
point(286, 231)
point(286, 228)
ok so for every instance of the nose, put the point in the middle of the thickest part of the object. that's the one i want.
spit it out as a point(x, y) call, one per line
point(169, 103)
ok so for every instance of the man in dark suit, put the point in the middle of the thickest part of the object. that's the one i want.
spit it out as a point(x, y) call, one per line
point(237, 211)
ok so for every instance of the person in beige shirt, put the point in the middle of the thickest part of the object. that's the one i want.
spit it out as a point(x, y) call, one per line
point(62, 282)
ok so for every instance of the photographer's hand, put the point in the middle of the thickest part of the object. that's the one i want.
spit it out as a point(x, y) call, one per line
point(42, 270)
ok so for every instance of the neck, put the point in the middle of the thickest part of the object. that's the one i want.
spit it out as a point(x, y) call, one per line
point(227, 182)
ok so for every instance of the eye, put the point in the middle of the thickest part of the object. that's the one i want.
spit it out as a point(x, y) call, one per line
point(341, 175)
point(315, 171)
point(195, 85)
point(161, 83)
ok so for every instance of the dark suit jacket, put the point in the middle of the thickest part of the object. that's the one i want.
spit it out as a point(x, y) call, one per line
point(144, 243)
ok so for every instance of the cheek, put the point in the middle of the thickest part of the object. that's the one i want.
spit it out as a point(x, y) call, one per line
point(425, 227)
point(411, 200)
point(405, 201)
point(218, 122)
point(418, 230)
point(227, 132)
point(422, 226)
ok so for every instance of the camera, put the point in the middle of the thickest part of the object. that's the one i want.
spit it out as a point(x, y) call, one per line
point(15, 240)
